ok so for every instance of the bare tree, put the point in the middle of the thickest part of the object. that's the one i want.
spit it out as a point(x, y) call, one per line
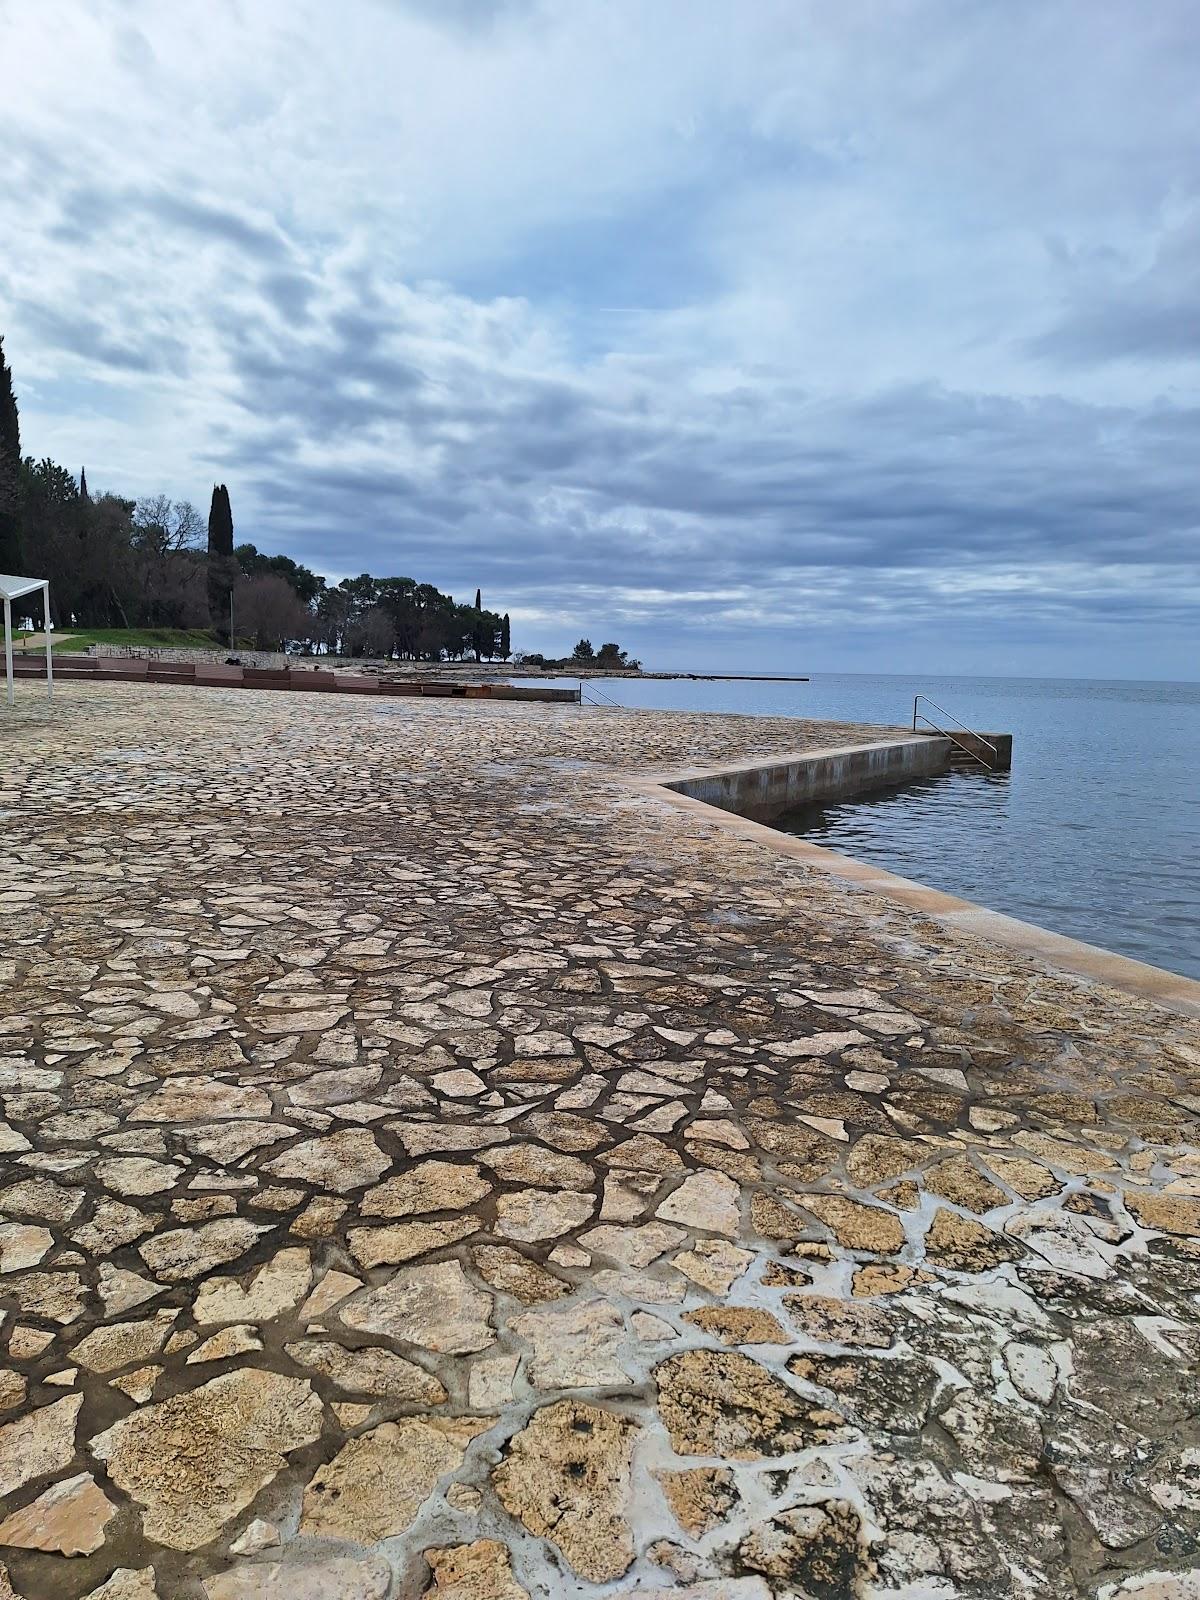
point(268, 610)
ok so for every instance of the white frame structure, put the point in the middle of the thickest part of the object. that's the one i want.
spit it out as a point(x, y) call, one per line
point(13, 588)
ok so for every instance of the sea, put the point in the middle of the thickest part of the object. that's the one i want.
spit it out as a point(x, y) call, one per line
point(1095, 833)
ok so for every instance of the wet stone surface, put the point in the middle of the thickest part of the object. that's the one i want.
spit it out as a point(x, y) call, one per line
point(430, 1164)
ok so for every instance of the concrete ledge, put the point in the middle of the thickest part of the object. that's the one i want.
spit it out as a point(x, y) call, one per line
point(1170, 990)
point(771, 790)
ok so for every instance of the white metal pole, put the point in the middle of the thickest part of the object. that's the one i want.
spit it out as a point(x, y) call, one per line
point(49, 656)
point(8, 666)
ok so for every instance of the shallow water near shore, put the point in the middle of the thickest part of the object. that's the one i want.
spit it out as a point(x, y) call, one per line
point(1095, 833)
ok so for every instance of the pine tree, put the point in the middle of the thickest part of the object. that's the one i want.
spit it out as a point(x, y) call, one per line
point(222, 564)
point(10, 469)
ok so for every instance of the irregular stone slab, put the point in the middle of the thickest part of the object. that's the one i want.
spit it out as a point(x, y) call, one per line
point(707, 1200)
point(478, 1571)
point(183, 1253)
point(403, 1241)
point(57, 1296)
point(433, 1306)
point(119, 1343)
point(566, 1132)
point(720, 1403)
point(739, 1325)
point(1164, 1213)
point(420, 1138)
point(633, 1247)
point(893, 1395)
point(113, 1224)
point(1032, 1370)
point(1028, 1178)
point(817, 1549)
point(344, 1160)
point(574, 1346)
point(275, 1288)
point(700, 1498)
point(257, 1535)
point(856, 1226)
point(714, 1264)
point(642, 1153)
point(876, 1159)
point(22, 1245)
point(369, 1371)
point(1063, 1241)
point(490, 1382)
point(538, 1214)
point(237, 1340)
point(1002, 1443)
point(137, 1175)
point(529, 1163)
point(332, 1289)
point(431, 1186)
point(376, 1484)
point(121, 1290)
point(327, 1088)
point(139, 1384)
point(39, 1443)
point(566, 1476)
point(126, 1583)
point(197, 1099)
point(194, 1461)
point(510, 1271)
point(958, 1180)
point(333, 1577)
point(41, 1198)
point(834, 1321)
point(69, 1518)
point(965, 1246)
point(227, 1142)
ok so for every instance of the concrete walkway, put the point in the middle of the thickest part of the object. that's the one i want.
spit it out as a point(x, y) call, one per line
point(432, 1163)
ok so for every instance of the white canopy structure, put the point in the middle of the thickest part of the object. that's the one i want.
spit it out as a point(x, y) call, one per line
point(12, 588)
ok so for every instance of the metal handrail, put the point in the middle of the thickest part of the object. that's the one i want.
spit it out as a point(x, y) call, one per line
point(603, 700)
point(946, 734)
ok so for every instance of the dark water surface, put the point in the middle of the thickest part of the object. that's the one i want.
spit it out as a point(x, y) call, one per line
point(1095, 833)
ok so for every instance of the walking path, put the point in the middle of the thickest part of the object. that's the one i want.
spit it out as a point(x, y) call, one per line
point(431, 1163)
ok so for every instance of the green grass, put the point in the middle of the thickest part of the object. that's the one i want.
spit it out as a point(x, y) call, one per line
point(162, 638)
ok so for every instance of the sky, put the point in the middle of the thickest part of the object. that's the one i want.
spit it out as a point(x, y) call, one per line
point(751, 334)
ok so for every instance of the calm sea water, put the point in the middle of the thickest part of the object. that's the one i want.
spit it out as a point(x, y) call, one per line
point(1095, 833)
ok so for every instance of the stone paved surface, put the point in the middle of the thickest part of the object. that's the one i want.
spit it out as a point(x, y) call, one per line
point(430, 1167)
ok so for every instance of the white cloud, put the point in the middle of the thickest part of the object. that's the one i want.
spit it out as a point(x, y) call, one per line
point(692, 315)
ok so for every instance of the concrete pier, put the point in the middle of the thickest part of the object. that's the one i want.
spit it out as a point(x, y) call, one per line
point(442, 1153)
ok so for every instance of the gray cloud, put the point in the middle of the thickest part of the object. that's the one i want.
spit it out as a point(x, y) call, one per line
point(708, 323)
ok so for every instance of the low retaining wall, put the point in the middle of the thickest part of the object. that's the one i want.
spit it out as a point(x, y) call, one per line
point(308, 680)
point(765, 791)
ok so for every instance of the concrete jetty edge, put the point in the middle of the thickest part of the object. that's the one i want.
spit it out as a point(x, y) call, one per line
point(741, 798)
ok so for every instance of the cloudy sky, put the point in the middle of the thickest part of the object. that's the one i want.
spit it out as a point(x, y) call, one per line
point(774, 333)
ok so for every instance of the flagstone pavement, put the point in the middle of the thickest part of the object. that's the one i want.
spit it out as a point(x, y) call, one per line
point(430, 1166)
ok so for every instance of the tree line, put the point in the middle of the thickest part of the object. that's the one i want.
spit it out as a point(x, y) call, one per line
point(156, 563)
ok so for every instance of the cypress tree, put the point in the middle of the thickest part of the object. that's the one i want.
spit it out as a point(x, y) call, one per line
point(505, 638)
point(222, 565)
point(10, 468)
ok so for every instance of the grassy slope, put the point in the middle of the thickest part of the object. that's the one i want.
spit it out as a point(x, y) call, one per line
point(163, 638)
